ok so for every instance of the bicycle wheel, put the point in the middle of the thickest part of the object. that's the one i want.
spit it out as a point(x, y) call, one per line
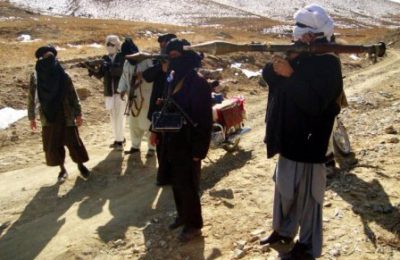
point(341, 139)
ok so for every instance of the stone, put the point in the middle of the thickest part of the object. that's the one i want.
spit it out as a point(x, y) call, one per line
point(119, 242)
point(390, 130)
point(265, 248)
point(240, 244)
point(83, 93)
point(257, 232)
point(393, 140)
point(163, 243)
point(237, 254)
point(334, 252)
point(253, 239)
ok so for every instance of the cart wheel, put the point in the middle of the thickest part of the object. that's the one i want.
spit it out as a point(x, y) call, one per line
point(231, 147)
point(341, 138)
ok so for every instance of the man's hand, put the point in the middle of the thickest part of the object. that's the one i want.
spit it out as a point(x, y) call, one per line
point(122, 95)
point(282, 67)
point(307, 38)
point(33, 125)
point(164, 66)
point(78, 120)
point(153, 139)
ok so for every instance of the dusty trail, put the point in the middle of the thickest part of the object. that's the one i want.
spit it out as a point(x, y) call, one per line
point(116, 215)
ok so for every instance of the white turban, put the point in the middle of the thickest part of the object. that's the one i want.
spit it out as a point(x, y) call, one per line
point(312, 18)
point(114, 39)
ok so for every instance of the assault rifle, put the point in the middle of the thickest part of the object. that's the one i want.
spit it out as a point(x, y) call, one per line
point(93, 65)
point(221, 47)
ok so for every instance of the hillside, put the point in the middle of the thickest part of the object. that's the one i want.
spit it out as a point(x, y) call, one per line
point(358, 13)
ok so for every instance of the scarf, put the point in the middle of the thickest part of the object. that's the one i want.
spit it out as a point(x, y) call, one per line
point(51, 86)
point(182, 66)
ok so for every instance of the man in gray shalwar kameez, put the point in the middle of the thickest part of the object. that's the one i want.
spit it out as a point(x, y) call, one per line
point(303, 89)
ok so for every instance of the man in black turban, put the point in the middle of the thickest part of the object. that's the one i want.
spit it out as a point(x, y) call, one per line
point(183, 151)
point(60, 112)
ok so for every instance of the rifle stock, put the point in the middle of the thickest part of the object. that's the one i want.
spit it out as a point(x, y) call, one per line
point(221, 47)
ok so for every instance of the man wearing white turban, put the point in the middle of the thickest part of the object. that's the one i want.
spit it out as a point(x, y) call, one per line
point(303, 89)
point(111, 71)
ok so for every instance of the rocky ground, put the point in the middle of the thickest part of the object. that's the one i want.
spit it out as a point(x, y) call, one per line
point(120, 214)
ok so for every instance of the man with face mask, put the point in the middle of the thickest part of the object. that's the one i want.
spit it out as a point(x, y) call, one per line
point(158, 75)
point(138, 91)
point(182, 151)
point(51, 90)
point(303, 89)
point(111, 71)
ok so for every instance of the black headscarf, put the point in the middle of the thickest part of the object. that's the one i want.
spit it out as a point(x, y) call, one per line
point(183, 65)
point(51, 84)
point(166, 37)
point(129, 47)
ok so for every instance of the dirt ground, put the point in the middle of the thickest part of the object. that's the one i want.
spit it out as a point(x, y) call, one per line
point(119, 213)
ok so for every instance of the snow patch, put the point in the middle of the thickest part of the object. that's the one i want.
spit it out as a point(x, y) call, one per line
point(26, 38)
point(95, 45)
point(248, 73)
point(9, 115)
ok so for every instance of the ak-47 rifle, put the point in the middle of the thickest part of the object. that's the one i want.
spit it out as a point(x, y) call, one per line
point(221, 47)
point(92, 65)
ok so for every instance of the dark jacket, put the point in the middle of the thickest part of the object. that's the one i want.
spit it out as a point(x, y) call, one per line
point(71, 105)
point(195, 99)
point(158, 77)
point(302, 108)
point(111, 71)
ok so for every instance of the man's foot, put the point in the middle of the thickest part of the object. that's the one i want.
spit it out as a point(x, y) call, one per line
point(300, 251)
point(132, 151)
point(177, 223)
point(188, 234)
point(278, 242)
point(62, 177)
point(85, 173)
point(113, 144)
point(150, 153)
point(119, 146)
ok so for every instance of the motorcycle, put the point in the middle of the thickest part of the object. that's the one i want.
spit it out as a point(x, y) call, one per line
point(228, 127)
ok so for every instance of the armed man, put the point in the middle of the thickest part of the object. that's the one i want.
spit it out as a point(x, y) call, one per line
point(158, 75)
point(110, 71)
point(184, 148)
point(303, 89)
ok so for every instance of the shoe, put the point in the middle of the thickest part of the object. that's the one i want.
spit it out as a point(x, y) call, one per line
point(188, 234)
point(62, 177)
point(300, 251)
point(119, 146)
point(85, 173)
point(150, 153)
point(177, 223)
point(278, 242)
point(132, 151)
point(113, 144)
